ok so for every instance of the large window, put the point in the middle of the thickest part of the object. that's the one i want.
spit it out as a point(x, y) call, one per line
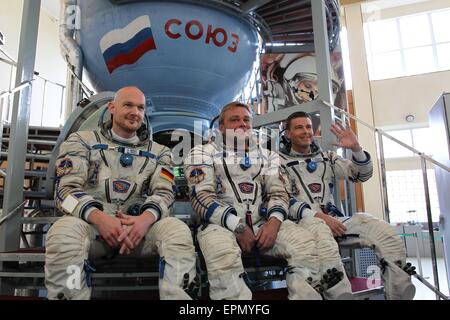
point(418, 138)
point(408, 45)
point(406, 196)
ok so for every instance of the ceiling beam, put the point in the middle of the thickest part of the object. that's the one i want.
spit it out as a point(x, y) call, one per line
point(252, 5)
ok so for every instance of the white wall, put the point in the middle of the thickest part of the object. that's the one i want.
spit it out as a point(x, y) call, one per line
point(49, 62)
point(393, 99)
point(381, 10)
point(386, 102)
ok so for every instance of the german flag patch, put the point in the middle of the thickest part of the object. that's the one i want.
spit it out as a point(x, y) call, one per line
point(166, 174)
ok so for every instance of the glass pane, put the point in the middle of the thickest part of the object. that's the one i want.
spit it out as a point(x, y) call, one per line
point(387, 65)
point(441, 25)
point(383, 36)
point(443, 53)
point(406, 196)
point(346, 59)
point(393, 149)
point(415, 31)
point(51, 114)
point(37, 95)
point(419, 60)
point(422, 141)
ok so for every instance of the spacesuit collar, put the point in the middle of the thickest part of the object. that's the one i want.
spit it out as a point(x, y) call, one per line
point(314, 150)
point(142, 135)
point(218, 142)
point(133, 140)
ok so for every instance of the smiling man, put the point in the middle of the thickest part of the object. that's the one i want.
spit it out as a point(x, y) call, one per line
point(312, 206)
point(114, 185)
point(239, 192)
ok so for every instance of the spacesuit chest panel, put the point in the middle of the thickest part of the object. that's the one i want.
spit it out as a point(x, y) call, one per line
point(235, 184)
point(311, 181)
point(114, 183)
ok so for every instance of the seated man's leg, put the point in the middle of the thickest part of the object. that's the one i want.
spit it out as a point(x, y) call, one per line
point(389, 249)
point(330, 259)
point(70, 241)
point(171, 239)
point(224, 263)
point(297, 246)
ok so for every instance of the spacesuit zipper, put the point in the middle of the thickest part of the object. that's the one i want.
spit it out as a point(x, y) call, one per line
point(303, 184)
point(108, 196)
point(143, 167)
point(227, 173)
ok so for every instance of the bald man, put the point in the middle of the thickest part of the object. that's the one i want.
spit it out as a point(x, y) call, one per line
point(114, 185)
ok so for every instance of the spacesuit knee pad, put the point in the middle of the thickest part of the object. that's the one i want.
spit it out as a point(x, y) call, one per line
point(221, 252)
point(67, 239)
point(299, 248)
point(173, 231)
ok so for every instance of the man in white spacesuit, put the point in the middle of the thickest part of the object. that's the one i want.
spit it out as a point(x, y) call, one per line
point(115, 186)
point(312, 171)
point(229, 180)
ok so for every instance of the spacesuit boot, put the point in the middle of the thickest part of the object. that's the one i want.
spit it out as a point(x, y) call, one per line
point(389, 249)
point(397, 282)
point(336, 285)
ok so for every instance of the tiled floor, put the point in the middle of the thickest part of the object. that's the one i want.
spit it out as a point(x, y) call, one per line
point(423, 292)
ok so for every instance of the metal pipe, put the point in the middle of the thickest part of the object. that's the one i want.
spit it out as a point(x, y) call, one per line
point(30, 156)
point(1, 121)
point(419, 260)
point(10, 214)
point(43, 102)
point(430, 224)
point(34, 141)
point(419, 153)
point(430, 286)
point(72, 53)
point(384, 192)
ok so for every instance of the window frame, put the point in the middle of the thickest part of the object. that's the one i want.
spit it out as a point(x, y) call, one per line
point(371, 52)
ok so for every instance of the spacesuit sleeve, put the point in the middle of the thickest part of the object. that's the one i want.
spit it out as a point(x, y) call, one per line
point(299, 210)
point(277, 186)
point(161, 196)
point(199, 171)
point(359, 169)
point(72, 166)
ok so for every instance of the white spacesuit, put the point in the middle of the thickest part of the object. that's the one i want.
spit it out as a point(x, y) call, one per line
point(228, 185)
point(312, 183)
point(98, 169)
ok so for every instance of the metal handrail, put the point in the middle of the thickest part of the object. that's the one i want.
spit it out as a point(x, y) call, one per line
point(85, 88)
point(431, 287)
point(13, 63)
point(375, 129)
point(24, 84)
point(254, 84)
point(11, 213)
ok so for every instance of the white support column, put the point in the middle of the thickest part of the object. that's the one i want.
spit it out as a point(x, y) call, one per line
point(363, 105)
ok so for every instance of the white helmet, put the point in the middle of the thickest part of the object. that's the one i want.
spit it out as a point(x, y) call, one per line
point(305, 67)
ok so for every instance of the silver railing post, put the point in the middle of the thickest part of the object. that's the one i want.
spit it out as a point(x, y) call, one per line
point(430, 224)
point(384, 193)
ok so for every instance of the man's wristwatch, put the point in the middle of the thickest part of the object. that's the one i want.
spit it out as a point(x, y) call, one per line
point(240, 228)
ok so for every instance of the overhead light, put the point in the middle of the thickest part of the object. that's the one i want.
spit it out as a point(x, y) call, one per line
point(410, 118)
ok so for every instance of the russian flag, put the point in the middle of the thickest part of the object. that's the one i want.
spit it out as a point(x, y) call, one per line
point(127, 45)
